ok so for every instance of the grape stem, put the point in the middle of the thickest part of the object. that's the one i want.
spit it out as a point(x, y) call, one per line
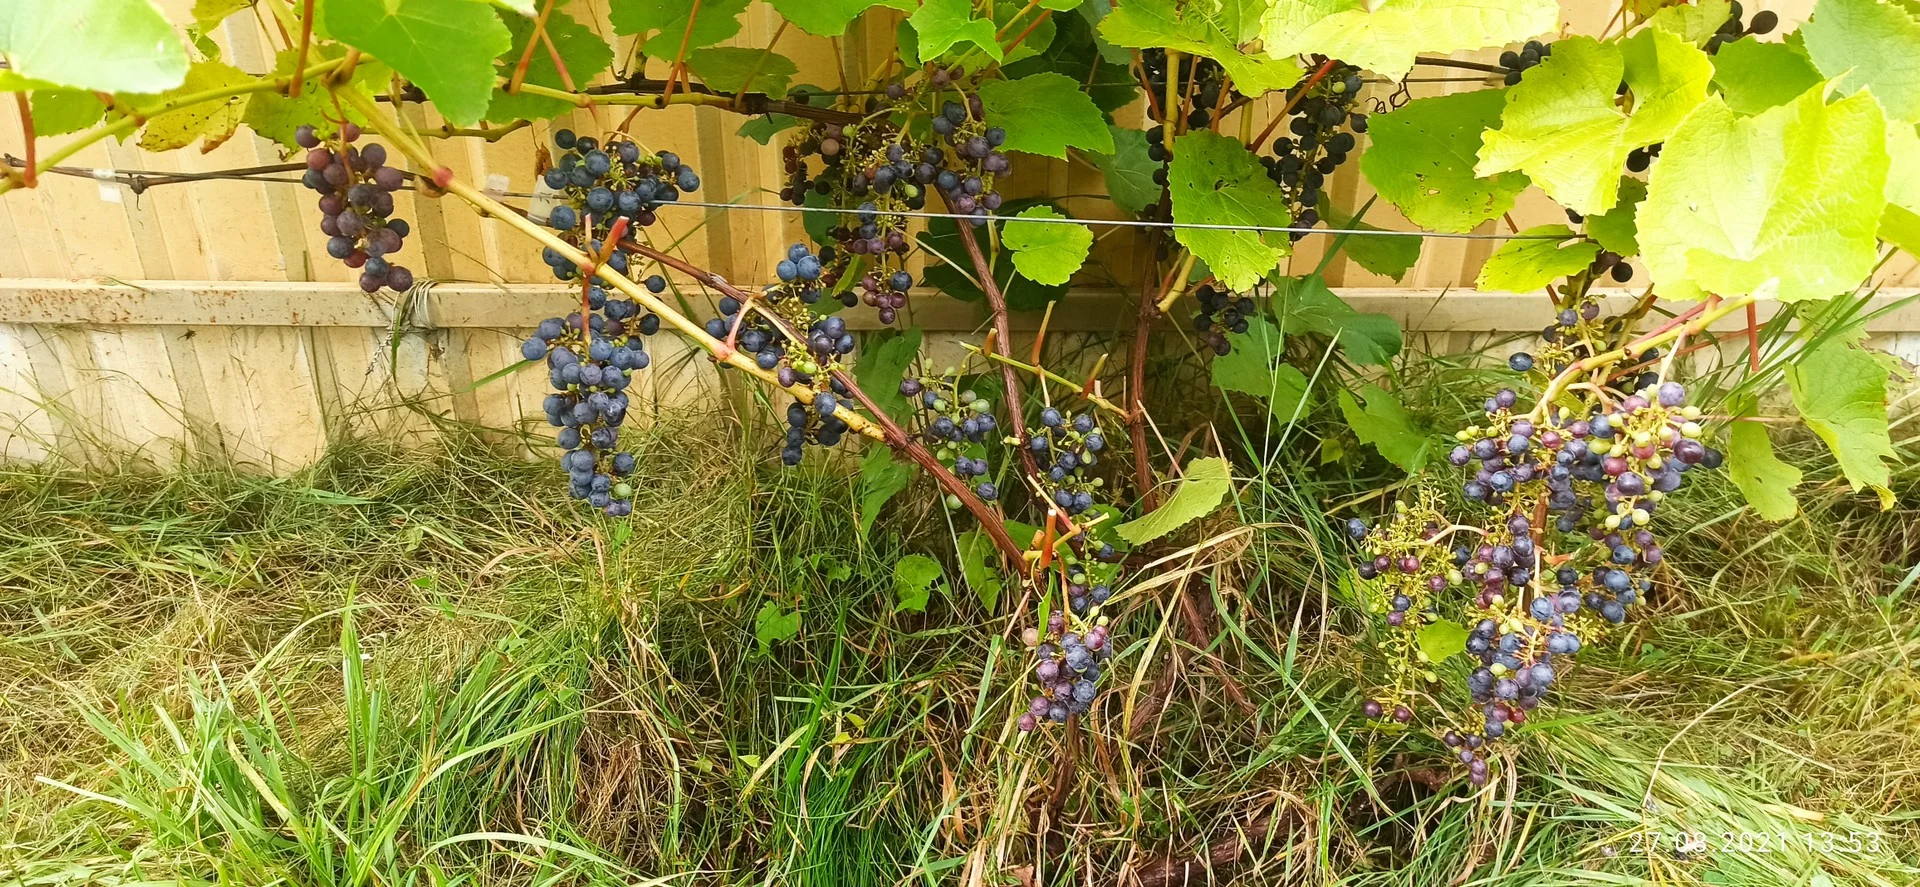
point(646, 95)
point(300, 56)
point(1079, 389)
point(1016, 406)
point(519, 77)
point(1319, 74)
point(1677, 328)
point(31, 175)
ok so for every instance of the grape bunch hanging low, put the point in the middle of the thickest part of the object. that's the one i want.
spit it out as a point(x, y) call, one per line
point(591, 363)
point(596, 184)
point(356, 205)
point(1221, 313)
point(958, 417)
point(1323, 131)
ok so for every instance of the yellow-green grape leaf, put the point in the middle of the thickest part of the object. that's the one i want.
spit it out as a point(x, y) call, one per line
point(1142, 24)
point(1693, 23)
point(663, 23)
point(1564, 129)
point(1900, 222)
point(96, 45)
point(1841, 391)
point(1215, 180)
point(208, 14)
point(1869, 44)
point(1046, 252)
point(275, 116)
point(880, 479)
point(940, 24)
point(1388, 255)
point(1766, 481)
point(773, 624)
point(584, 52)
point(1383, 36)
point(1615, 229)
point(446, 47)
point(1795, 193)
point(61, 111)
point(1386, 425)
point(1305, 304)
point(1525, 263)
point(1422, 156)
point(211, 123)
point(1257, 366)
point(1045, 113)
point(978, 566)
point(1128, 170)
point(1441, 639)
point(728, 68)
point(913, 579)
point(1011, 19)
point(830, 18)
point(882, 364)
point(1202, 488)
point(1753, 76)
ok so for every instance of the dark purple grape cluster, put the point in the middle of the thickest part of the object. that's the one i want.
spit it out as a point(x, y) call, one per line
point(1529, 56)
point(595, 184)
point(1068, 665)
point(1066, 449)
point(1221, 313)
point(956, 418)
point(1323, 132)
point(1763, 22)
point(356, 206)
point(1200, 77)
point(591, 365)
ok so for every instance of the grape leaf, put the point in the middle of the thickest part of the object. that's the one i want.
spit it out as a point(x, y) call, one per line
point(1255, 366)
point(830, 18)
point(96, 45)
point(947, 255)
point(1869, 44)
point(1075, 53)
point(1422, 156)
point(1442, 638)
point(208, 14)
point(1305, 304)
point(880, 479)
point(1795, 193)
point(1046, 252)
point(1202, 488)
point(1766, 481)
point(940, 24)
point(211, 123)
point(1385, 424)
point(882, 364)
point(1383, 36)
point(770, 625)
point(1045, 113)
point(1141, 24)
point(1215, 180)
point(664, 23)
point(446, 47)
point(1011, 19)
point(1563, 128)
point(275, 116)
point(1522, 265)
point(1754, 76)
point(584, 52)
point(1900, 222)
point(913, 580)
point(1614, 229)
point(978, 558)
point(726, 68)
point(61, 111)
point(1389, 255)
point(1841, 391)
point(1695, 23)
point(1128, 170)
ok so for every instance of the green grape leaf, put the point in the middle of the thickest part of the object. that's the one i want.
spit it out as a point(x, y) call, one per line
point(1522, 265)
point(584, 52)
point(947, 256)
point(275, 116)
point(1563, 128)
point(1869, 44)
point(763, 128)
point(940, 24)
point(208, 14)
point(1306, 305)
point(1383, 36)
point(1143, 24)
point(446, 47)
point(664, 23)
point(830, 18)
point(979, 567)
point(1128, 170)
point(1900, 222)
point(1753, 76)
point(1011, 19)
point(1075, 53)
point(96, 45)
point(1046, 252)
point(1422, 156)
point(1046, 114)
point(1385, 424)
point(1215, 180)
point(1695, 23)
point(1202, 488)
point(726, 69)
point(210, 123)
point(61, 111)
point(880, 479)
point(772, 624)
point(913, 580)
point(1256, 366)
point(1841, 391)
point(1442, 639)
point(1766, 481)
point(1615, 229)
point(883, 363)
point(1388, 255)
point(1795, 193)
